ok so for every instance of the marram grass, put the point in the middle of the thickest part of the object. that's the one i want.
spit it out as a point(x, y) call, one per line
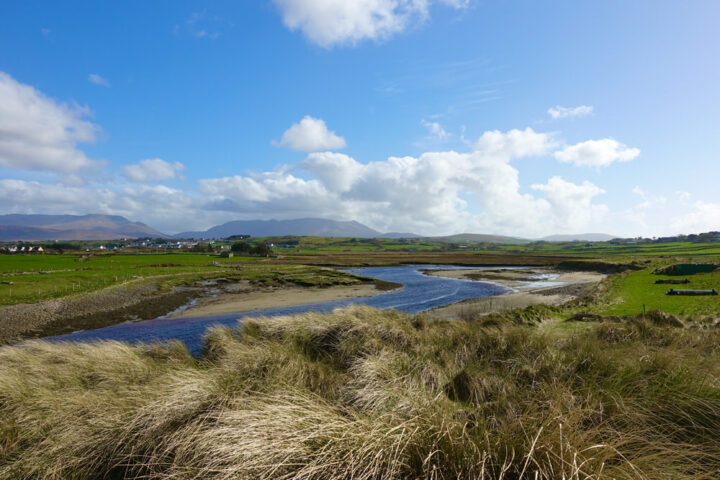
point(368, 394)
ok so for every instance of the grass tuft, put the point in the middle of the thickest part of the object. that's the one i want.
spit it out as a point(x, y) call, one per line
point(368, 394)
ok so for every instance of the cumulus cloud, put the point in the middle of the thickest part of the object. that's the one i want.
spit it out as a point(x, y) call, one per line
point(336, 171)
point(571, 203)
point(153, 170)
point(38, 133)
point(340, 22)
point(597, 153)
point(98, 80)
point(430, 193)
point(514, 143)
point(310, 135)
point(558, 112)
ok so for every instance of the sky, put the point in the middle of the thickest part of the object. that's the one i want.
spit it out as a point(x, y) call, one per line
point(514, 117)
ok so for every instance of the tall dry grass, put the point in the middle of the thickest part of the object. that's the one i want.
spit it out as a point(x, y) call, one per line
point(367, 394)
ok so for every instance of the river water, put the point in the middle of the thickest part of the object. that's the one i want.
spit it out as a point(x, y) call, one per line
point(419, 293)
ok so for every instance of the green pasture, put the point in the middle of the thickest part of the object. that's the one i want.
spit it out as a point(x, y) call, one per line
point(30, 278)
point(41, 277)
point(335, 245)
point(628, 293)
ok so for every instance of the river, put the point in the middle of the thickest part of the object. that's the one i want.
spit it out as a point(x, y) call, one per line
point(419, 293)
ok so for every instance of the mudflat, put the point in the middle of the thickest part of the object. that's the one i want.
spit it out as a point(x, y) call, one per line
point(259, 299)
point(576, 285)
point(517, 278)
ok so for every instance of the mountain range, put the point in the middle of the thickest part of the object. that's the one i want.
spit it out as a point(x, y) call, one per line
point(480, 238)
point(580, 237)
point(317, 227)
point(71, 227)
point(107, 227)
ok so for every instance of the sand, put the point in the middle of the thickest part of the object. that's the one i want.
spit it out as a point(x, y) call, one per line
point(577, 285)
point(517, 278)
point(272, 298)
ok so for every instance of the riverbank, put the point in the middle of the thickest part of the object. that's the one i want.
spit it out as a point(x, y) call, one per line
point(116, 304)
point(155, 296)
point(575, 285)
point(245, 298)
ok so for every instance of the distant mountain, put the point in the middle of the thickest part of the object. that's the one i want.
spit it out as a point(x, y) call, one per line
point(481, 237)
point(580, 237)
point(399, 235)
point(71, 227)
point(317, 227)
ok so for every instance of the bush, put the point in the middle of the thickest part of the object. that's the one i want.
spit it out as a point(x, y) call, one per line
point(245, 248)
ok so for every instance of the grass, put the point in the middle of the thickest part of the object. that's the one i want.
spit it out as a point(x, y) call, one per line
point(366, 394)
point(41, 277)
point(629, 293)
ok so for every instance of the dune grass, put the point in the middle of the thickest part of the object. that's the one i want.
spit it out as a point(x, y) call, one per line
point(368, 394)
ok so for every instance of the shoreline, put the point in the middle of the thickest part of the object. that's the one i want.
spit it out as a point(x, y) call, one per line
point(575, 285)
point(260, 299)
point(144, 300)
point(134, 301)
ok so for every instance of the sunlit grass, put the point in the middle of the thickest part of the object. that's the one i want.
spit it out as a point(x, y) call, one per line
point(40, 277)
point(368, 394)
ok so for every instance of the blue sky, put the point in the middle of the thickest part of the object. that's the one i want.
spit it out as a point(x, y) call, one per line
point(407, 115)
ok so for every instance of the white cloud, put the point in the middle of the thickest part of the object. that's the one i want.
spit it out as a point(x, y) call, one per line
point(702, 217)
point(310, 135)
point(436, 130)
point(336, 171)
point(434, 193)
point(98, 80)
point(156, 205)
point(597, 153)
point(558, 112)
point(514, 143)
point(153, 170)
point(571, 203)
point(37, 133)
point(328, 23)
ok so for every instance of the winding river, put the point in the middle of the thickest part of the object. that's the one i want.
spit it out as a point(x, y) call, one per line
point(419, 293)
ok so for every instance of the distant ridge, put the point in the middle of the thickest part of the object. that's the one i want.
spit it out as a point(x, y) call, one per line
point(316, 227)
point(481, 237)
point(399, 235)
point(580, 237)
point(16, 227)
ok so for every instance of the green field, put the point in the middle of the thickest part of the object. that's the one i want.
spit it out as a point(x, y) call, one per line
point(41, 277)
point(630, 294)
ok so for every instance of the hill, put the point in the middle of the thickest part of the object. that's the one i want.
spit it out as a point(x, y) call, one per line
point(317, 227)
point(480, 238)
point(71, 227)
point(399, 235)
point(580, 237)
